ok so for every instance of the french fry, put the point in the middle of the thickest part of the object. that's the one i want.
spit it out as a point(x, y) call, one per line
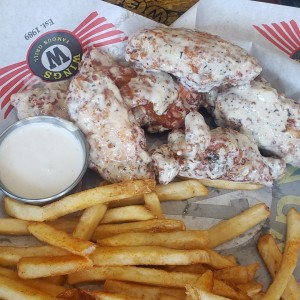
point(66, 224)
point(195, 268)
point(272, 257)
point(196, 294)
point(152, 203)
point(181, 190)
point(174, 191)
point(130, 213)
point(231, 258)
point(230, 185)
point(60, 239)
point(205, 282)
point(49, 288)
point(251, 288)
point(58, 279)
point(155, 255)
point(223, 289)
point(142, 275)
point(258, 296)
point(289, 258)
point(78, 201)
point(155, 225)
point(237, 274)
point(166, 297)
point(12, 226)
point(111, 296)
point(218, 261)
point(14, 288)
point(89, 220)
point(36, 267)
point(141, 291)
point(9, 256)
point(232, 228)
point(23, 211)
point(74, 293)
point(98, 195)
point(147, 255)
point(190, 239)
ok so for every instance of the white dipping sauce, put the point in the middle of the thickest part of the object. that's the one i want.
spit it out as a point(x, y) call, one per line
point(39, 160)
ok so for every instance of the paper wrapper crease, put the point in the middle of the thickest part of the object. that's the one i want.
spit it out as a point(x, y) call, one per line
point(273, 38)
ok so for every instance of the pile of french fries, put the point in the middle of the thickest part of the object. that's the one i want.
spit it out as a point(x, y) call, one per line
point(119, 245)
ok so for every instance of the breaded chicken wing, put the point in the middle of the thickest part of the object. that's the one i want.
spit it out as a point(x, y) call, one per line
point(158, 101)
point(215, 154)
point(200, 60)
point(117, 143)
point(42, 99)
point(269, 118)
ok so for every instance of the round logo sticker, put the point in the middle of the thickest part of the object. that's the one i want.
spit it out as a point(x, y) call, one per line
point(55, 56)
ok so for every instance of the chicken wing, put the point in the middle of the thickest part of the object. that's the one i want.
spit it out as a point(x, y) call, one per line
point(269, 118)
point(158, 101)
point(215, 154)
point(117, 143)
point(42, 99)
point(200, 60)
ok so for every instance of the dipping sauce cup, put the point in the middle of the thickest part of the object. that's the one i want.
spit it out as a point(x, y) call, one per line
point(41, 159)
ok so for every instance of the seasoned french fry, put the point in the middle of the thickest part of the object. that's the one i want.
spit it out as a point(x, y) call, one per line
point(153, 204)
point(231, 258)
point(230, 185)
point(78, 201)
point(251, 288)
point(231, 228)
point(23, 211)
point(174, 191)
point(155, 255)
point(181, 190)
point(58, 279)
point(89, 220)
point(272, 257)
point(14, 288)
point(141, 291)
point(220, 288)
point(60, 239)
point(195, 268)
point(74, 293)
point(12, 226)
point(111, 296)
point(98, 195)
point(166, 297)
point(196, 294)
point(9, 256)
point(148, 276)
point(127, 214)
point(258, 296)
point(237, 274)
point(146, 255)
point(66, 224)
point(205, 282)
point(220, 262)
point(36, 267)
point(155, 225)
point(8, 273)
point(289, 258)
point(49, 288)
point(190, 239)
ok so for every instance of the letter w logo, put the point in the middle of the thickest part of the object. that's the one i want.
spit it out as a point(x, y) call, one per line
point(56, 58)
